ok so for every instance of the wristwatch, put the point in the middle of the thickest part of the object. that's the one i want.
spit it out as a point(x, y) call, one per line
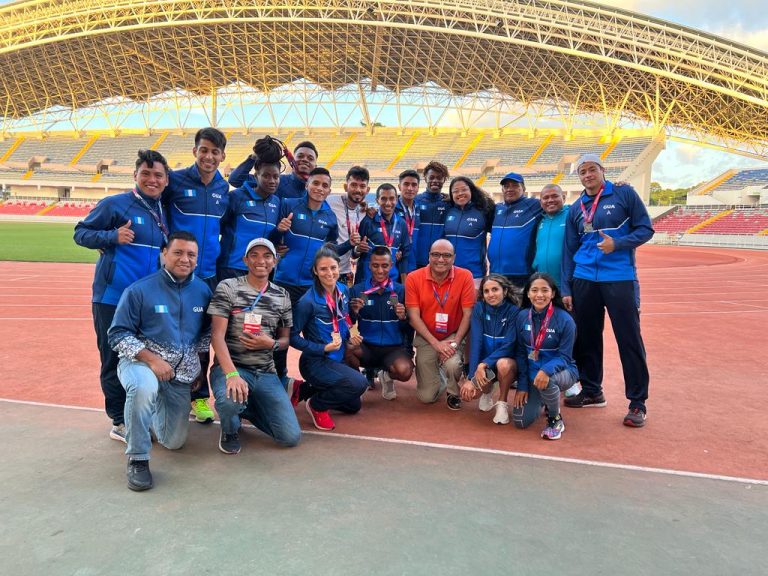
point(276, 346)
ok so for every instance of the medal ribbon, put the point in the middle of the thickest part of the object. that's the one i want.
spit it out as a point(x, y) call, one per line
point(588, 217)
point(388, 240)
point(386, 284)
point(158, 219)
point(536, 344)
point(410, 220)
point(350, 230)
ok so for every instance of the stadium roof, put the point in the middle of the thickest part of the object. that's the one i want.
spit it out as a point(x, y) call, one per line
point(582, 56)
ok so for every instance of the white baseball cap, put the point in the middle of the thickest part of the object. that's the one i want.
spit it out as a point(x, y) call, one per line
point(261, 242)
point(589, 158)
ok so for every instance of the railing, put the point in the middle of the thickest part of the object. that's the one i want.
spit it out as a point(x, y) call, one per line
point(749, 241)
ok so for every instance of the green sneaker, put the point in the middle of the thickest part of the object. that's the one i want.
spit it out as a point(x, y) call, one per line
point(202, 411)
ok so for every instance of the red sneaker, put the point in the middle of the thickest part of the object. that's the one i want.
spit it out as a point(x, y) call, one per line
point(321, 420)
point(294, 389)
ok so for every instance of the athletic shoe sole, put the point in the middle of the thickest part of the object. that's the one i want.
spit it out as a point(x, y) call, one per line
point(118, 437)
point(227, 451)
point(634, 423)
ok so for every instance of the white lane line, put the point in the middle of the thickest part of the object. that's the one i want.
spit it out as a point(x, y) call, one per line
point(594, 463)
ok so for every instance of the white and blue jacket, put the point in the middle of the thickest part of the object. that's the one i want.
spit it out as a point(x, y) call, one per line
point(491, 334)
point(431, 209)
point(166, 317)
point(377, 319)
point(249, 216)
point(313, 323)
point(397, 229)
point(513, 242)
point(621, 215)
point(197, 208)
point(291, 186)
point(120, 265)
point(556, 352)
point(467, 229)
point(309, 231)
point(550, 237)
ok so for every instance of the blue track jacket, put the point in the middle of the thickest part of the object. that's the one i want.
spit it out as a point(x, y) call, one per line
point(309, 231)
point(556, 352)
point(197, 208)
point(120, 265)
point(398, 231)
point(491, 334)
point(550, 237)
point(166, 317)
point(313, 323)
point(249, 216)
point(406, 214)
point(291, 186)
point(377, 321)
point(467, 229)
point(431, 209)
point(513, 241)
point(620, 214)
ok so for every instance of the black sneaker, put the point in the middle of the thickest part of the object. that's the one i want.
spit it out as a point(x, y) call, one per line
point(454, 402)
point(229, 443)
point(139, 476)
point(635, 418)
point(581, 400)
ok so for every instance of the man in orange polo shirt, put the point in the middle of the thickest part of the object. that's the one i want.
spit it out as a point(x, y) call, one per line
point(439, 299)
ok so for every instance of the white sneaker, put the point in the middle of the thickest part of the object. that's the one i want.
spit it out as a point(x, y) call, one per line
point(118, 433)
point(387, 386)
point(574, 390)
point(486, 403)
point(502, 413)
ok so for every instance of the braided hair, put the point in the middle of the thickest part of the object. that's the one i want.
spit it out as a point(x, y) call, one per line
point(269, 151)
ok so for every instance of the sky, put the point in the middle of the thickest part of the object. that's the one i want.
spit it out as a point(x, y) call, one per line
point(746, 21)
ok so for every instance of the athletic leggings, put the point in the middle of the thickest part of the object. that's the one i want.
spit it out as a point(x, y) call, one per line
point(549, 397)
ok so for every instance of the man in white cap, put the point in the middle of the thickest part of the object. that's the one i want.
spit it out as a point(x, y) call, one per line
point(603, 229)
point(251, 319)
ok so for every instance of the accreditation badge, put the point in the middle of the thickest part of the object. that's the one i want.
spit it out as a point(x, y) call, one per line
point(252, 323)
point(441, 323)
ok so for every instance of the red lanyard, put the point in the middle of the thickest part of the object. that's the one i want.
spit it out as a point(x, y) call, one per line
point(388, 240)
point(536, 344)
point(410, 220)
point(350, 230)
point(386, 284)
point(333, 306)
point(588, 218)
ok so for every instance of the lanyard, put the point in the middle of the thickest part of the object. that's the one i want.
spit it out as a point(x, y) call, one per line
point(256, 300)
point(388, 240)
point(334, 307)
point(158, 219)
point(588, 217)
point(350, 230)
point(437, 296)
point(386, 284)
point(410, 219)
point(536, 343)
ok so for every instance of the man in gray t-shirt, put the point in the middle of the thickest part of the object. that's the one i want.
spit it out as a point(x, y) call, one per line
point(251, 320)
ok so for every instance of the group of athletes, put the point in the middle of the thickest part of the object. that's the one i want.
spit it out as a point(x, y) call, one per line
point(509, 296)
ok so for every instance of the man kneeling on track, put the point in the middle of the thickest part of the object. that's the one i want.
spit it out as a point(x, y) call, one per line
point(159, 354)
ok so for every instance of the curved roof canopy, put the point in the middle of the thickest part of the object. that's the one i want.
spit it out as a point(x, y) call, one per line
point(74, 53)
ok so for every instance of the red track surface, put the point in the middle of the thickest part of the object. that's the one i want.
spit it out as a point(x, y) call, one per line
point(704, 314)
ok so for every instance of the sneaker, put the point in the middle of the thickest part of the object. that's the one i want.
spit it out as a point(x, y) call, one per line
point(202, 411)
point(387, 385)
point(555, 428)
point(294, 390)
point(454, 402)
point(118, 433)
point(229, 443)
point(486, 403)
point(581, 400)
point(574, 390)
point(139, 476)
point(502, 413)
point(321, 420)
point(635, 418)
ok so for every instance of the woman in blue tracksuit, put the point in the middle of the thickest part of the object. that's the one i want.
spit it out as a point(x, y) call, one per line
point(253, 210)
point(544, 355)
point(467, 222)
point(321, 331)
point(492, 345)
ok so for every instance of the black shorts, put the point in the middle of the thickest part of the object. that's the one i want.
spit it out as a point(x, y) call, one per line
point(381, 356)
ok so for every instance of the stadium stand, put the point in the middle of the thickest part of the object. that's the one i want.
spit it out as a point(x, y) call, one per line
point(682, 219)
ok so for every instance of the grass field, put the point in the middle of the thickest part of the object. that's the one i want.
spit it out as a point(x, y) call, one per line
point(41, 242)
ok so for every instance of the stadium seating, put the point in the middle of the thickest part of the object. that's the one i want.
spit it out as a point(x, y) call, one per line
point(744, 178)
point(743, 221)
point(683, 219)
point(22, 207)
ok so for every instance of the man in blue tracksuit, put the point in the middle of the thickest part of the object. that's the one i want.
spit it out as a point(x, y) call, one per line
point(196, 200)
point(293, 185)
point(159, 329)
point(550, 234)
point(129, 230)
point(430, 207)
point(408, 185)
point(513, 235)
point(603, 229)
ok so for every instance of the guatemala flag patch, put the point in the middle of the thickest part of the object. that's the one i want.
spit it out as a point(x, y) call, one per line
point(161, 309)
point(190, 193)
point(138, 220)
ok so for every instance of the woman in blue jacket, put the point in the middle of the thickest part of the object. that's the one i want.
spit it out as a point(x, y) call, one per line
point(492, 345)
point(545, 336)
point(321, 331)
point(467, 222)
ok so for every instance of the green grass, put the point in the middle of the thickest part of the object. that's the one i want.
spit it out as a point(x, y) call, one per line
point(41, 242)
